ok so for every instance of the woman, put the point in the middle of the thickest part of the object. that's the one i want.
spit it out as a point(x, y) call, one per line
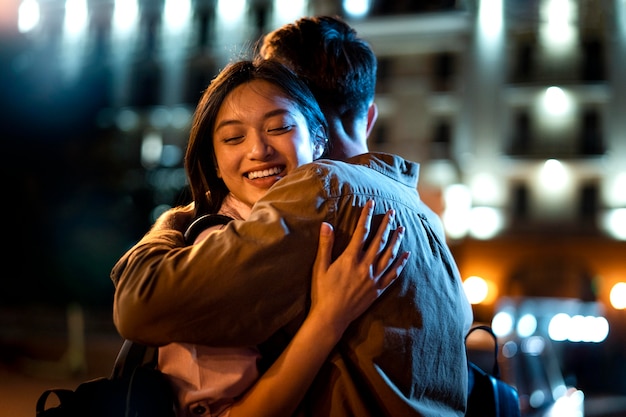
point(253, 125)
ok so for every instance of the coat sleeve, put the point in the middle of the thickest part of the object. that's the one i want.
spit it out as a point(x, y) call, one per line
point(237, 287)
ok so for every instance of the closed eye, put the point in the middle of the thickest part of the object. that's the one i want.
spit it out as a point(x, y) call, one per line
point(234, 139)
point(281, 130)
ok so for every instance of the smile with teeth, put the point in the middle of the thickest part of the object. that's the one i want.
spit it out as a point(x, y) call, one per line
point(264, 173)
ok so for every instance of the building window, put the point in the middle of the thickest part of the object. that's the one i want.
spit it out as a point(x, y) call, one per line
point(520, 202)
point(590, 140)
point(588, 203)
point(385, 7)
point(146, 86)
point(524, 62)
point(593, 68)
point(149, 32)
point(147, 71)
point(201, 69)
point(440, 144)
point(259, 17)
point(520, 134)
point(204, 23)
point(201, 66)
point(443, 77)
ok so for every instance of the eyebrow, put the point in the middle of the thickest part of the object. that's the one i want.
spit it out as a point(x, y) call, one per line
point(271, 113)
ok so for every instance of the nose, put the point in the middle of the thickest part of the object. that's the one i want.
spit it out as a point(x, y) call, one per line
point(260, 147)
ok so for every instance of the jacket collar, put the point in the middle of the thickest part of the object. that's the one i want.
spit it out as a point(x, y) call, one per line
point(390, 165)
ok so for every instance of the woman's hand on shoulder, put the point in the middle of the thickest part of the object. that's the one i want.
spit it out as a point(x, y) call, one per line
point(342, 290)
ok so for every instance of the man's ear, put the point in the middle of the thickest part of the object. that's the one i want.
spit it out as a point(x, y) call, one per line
point(320, 142)
point(372, 115)
point(318, 150)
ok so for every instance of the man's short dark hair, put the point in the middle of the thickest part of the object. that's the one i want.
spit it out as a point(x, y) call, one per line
point(339, 67)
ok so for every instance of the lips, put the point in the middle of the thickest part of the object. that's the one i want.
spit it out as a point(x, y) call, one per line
point(265, 173)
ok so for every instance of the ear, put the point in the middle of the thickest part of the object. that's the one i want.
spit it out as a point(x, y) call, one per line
point(372, 115)
point(318, 150)
point(320, 142)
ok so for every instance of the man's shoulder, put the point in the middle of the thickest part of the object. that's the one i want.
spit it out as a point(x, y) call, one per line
point(392, 161)
point(392, 166)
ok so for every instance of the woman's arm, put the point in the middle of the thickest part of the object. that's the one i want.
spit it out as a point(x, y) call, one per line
point(340, 292)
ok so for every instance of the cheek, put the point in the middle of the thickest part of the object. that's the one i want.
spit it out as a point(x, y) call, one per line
point(302, 148)
point(225, 162)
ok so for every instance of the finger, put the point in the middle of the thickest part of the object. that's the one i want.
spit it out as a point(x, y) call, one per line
point(379, 242)
point(392, 272)
point(390, 253)
point(324, 247)
point(362, 228)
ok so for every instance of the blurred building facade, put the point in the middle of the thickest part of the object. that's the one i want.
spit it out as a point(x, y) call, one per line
point(516, 110)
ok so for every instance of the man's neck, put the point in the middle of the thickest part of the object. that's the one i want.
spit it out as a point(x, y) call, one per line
point(343, 152)
point(348, 136)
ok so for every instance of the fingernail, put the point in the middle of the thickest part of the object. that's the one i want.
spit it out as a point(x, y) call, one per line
point(326, 229)
point(407, 255)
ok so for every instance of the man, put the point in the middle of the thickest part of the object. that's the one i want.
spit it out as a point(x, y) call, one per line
point(249, 282)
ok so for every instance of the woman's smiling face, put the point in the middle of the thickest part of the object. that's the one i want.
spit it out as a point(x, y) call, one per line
point(259, 137)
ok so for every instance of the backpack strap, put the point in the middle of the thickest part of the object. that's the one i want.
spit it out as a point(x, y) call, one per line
point(204, 222)
point(64, 396)
point(131, 356)
point(506, 399)
point(496, 368)
point(488, 395)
